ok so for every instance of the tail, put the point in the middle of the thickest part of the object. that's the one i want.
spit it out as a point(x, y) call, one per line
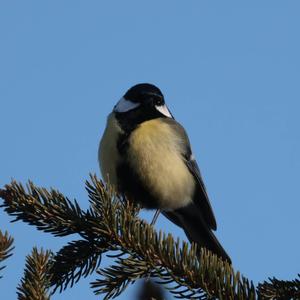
point(190, 219)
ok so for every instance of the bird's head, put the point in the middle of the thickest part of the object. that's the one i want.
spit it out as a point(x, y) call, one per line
point(142, 102)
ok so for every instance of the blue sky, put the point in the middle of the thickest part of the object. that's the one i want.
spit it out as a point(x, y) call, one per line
point(230, 72)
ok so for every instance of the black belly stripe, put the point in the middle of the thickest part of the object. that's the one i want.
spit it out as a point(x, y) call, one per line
point(131, 185)
point(129, 182)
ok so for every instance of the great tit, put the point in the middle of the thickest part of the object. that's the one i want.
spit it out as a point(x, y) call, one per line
point(146, 155)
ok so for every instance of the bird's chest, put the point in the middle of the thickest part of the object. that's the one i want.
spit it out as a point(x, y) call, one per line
point(154, 155)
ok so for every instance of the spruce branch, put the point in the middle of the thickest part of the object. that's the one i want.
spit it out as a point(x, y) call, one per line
point(280, 289)
point(116, 278)
point(6, 247)
point(35, 282)
point(76, 259)
point(169, 260)
point(49, 211)
point(112, 224)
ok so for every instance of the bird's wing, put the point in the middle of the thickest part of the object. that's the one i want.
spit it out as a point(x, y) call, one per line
point(201, 199)
point(195, 227)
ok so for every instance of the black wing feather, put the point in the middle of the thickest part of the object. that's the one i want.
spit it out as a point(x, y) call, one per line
point(201, 198)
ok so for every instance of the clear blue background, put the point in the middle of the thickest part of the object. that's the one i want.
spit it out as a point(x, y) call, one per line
point(230, 72)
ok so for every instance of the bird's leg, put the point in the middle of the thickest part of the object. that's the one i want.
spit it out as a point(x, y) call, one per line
point(155, 217)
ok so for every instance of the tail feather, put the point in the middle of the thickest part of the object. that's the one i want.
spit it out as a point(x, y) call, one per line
point(189, 218)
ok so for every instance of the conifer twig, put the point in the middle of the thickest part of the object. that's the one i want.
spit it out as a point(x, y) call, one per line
point(35, 283)
point(112, 224)
point(76, 259)
point(6, 247)
point(280, 289)
point(115, 224)
point(49, 211)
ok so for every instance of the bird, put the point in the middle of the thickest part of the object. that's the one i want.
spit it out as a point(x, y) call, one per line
point(145, 154)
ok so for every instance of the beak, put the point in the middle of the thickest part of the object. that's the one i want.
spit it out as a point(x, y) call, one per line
point(163, 109)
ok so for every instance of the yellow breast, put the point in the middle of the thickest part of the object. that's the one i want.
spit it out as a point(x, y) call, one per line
point(154, 152)
point(108, 153)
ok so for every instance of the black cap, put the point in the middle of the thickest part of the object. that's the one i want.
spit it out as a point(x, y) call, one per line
point(138, 92)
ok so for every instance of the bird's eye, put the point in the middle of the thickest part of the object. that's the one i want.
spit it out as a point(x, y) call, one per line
point(159, 102)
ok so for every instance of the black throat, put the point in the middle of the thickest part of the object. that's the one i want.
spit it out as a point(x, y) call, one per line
point(130, 120)
point(133, 118)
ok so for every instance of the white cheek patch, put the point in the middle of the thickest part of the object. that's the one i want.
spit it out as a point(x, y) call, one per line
point(125, 105)
point(164, 110)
